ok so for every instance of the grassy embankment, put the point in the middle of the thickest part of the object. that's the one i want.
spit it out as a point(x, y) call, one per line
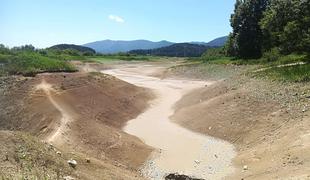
point(287, 68)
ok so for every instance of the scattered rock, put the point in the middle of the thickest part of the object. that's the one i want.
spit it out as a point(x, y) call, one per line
point(51, 147)
point(59, 153)
point(87, 160)
point(179, 177)
point(68, 178)
point(245, 167)
point(6, 157)
point(197, 161)
point(72, 163)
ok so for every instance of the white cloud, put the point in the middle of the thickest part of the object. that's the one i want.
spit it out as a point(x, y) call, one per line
point(116, 18)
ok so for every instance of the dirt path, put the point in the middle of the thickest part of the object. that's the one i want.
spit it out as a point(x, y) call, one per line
point(61, 127)
point(178, 149)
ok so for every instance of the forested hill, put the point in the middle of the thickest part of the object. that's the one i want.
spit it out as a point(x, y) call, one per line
point(73, 47)
point(175, 50)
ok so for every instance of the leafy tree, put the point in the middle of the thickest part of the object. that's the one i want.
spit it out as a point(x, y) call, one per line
point(247, 38)
point(286, 24)
point(231, 46)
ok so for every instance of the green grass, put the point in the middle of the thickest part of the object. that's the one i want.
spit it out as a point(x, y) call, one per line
point(271, 64)
point(267, 60)
point(295, 73)
point(292, 58)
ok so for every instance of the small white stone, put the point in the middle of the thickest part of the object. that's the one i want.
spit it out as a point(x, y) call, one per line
point(72, 163)
point(68, 178)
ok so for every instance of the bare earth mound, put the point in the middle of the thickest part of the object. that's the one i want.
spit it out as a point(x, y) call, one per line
point(268, 122)
point(97, 106)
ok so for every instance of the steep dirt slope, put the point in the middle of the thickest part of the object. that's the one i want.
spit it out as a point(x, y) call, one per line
point(98, 106)
point(268, 121)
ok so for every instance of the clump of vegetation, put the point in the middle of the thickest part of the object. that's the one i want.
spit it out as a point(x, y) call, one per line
point(28, 61)
point(216, 56)
point(272, 55)
point(213, 54)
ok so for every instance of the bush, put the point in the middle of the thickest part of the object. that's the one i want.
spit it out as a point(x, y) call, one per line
point(213, 54)
point(272, 55)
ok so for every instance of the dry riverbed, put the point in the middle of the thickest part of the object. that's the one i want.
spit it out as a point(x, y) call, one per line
point(225, 124)
point(178, 150)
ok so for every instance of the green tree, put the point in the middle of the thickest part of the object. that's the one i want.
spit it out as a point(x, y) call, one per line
point(286, 24)
point(235, 21)
point(246, 39)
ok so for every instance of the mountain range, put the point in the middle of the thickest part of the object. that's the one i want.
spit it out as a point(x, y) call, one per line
point(110, 46)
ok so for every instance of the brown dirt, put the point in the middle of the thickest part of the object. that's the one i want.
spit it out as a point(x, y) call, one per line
point(267, 121)
point(99, 106)
point(24, 156)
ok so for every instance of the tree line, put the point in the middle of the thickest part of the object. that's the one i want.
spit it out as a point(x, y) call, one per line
point(175, 50)
point(261, 26)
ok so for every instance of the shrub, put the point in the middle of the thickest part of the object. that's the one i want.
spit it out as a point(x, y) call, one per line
point(213, 54)
point(272, 55)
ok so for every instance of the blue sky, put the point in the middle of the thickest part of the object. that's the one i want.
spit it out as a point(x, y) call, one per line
point(48, 22)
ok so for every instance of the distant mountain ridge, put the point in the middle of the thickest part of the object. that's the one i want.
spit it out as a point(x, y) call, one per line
point(109, 46)
point(218, 42)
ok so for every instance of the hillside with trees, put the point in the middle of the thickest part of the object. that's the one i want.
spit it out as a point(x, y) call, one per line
point(74, 49)
point(175, 50)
